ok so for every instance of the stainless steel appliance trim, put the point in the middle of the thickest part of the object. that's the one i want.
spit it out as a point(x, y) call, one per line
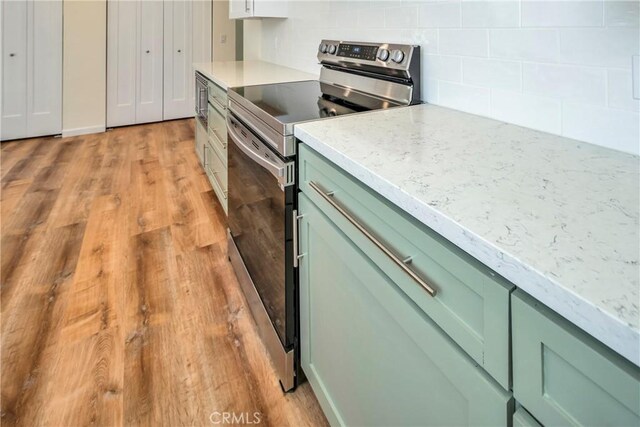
point(258, 152)
point(255, 118)
point(382, 89)
point(282, 359)
point(399, 262)
point(201, 101)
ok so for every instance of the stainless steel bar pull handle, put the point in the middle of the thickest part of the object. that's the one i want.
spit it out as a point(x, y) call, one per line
point(397, 260)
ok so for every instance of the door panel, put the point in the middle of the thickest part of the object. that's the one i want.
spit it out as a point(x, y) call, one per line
point(150, 52)
point(14, 69)
point(122, 58)
point(372, 356)
point(44, 65)
point(178, 74)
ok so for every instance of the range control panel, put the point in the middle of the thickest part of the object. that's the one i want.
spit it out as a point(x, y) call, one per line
point(368, 56)
point(358, 51)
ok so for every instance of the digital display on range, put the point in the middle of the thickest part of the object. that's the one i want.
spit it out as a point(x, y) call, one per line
point(358, 51)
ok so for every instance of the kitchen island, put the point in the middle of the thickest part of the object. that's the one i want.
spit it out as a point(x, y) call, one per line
point(555, 217)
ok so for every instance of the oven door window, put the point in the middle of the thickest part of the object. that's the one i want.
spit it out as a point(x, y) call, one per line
point(258, 212)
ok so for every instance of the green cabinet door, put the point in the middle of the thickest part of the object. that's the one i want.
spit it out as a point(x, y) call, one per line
point(371, 355)
point(564, 376)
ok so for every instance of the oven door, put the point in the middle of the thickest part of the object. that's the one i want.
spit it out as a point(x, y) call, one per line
point(261, 204)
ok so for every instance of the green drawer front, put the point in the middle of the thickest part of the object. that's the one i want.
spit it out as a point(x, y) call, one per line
point(217, 97)
point(217, 123)
point(371, 355)
point(217, 175)
point(471, 304)
point(564, 376)
point(219, 146)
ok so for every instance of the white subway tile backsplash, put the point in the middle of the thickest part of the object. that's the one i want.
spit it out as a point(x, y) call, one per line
point(426, 38)
point(542, 113)
point(525, 44)
point(369, 18)
point(492, 73)
point(440, 14)
point(442, 67)
point(562, 13)
point(401, 17)
point(607, 47)
point(620, 88)
point(615, 129)
point(472, 99)
point(490, 13)
point(573, 66)
point(584, 84)
point(622, 13)
point(429, 89)
point(463, 42)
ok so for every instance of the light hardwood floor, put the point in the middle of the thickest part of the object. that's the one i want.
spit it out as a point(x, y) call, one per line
point(118, 304)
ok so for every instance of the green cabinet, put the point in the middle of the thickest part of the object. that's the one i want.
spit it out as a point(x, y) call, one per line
point(372, 356)
point(565, 377)
point(471, 303)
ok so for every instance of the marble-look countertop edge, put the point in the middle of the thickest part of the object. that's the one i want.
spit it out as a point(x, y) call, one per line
point(615, 334)
point(298, 75)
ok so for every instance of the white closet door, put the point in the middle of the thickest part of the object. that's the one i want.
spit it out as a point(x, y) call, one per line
point(122, 59)
point(178, 46)
point(149, 78)
point(14, 70)
point(44, 67)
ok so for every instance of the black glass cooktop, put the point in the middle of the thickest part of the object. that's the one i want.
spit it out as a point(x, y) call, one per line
point(296, 102)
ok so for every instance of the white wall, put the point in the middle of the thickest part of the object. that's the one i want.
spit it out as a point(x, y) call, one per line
point(559, 66)
point(84, 67)
point(223, 28)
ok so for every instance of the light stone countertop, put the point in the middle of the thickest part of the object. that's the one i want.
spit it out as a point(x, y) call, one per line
point(557, 217)
point(228, 74)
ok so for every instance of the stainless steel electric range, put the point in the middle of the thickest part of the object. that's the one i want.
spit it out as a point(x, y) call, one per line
point(354, 78)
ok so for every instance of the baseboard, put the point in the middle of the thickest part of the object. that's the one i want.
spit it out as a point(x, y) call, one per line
point(82, 131)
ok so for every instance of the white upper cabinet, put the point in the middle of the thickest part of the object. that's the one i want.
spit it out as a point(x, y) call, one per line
point(187, 39)
point(31, 68)
point(241, 9)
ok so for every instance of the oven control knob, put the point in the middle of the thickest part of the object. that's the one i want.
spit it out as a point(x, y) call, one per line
point(323, 48)
point(332, 49)
point(383, 55)
point(397, 56)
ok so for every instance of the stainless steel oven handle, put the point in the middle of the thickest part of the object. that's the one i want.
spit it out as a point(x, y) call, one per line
point(399, 262)
point(273, 168)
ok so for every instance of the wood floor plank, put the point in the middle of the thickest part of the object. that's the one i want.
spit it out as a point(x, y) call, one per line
point(118, 304)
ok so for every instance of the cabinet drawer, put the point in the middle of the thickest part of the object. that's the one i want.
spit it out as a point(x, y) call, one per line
point(564, 376)
point(371, 355)
point(217, 123)
point(217, 175)
point(471, 303)
point(217, 97)
point(219, 146)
